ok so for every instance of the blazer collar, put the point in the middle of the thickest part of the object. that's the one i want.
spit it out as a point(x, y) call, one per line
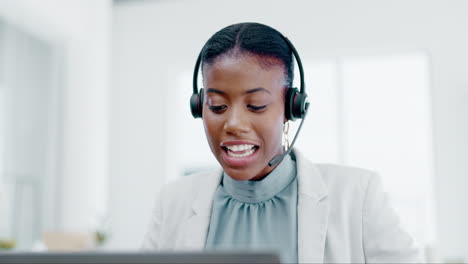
point(196, 225)
point(312, 212)
point(207, 185)
point(309, 178)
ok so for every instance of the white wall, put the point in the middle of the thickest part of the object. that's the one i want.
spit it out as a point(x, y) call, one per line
point(154, 38)
point(81, 28)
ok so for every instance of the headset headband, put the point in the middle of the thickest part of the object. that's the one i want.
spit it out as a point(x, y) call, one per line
point(289, 43)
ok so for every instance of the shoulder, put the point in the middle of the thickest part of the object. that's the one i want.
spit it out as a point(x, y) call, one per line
point(192, 181)
point(186, 188)
point(335, 180)
point(349, 186)
point(345, 176)
point(358, 205)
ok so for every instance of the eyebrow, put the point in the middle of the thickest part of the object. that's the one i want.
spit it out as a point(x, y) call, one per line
point(259, 89)
point(213, 90)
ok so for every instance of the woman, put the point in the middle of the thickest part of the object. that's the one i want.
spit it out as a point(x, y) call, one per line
point(305, 211)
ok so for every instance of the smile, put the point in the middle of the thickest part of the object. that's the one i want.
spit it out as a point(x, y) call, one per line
point(240, 151)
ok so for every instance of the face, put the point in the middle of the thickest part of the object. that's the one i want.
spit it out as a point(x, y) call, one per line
point(243, 114)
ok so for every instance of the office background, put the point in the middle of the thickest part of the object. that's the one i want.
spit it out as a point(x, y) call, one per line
point(94, 107)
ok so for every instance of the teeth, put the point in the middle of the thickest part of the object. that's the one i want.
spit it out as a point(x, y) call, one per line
point(248, 153)
point(247, 150)
point(240, 147)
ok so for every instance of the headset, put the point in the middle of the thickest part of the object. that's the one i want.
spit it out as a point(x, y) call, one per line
point(296, 101)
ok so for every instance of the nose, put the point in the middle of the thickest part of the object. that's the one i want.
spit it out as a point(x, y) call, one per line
point(237, 123)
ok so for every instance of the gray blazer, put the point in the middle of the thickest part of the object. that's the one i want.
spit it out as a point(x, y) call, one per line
point(343, 216)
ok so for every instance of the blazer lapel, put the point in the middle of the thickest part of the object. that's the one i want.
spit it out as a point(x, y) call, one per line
point(312, 211)
point(196, 226)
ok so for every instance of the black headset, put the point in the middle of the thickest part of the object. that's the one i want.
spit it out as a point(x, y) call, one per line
point(296, 102)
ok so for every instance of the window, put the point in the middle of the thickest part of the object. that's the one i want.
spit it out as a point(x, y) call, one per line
point(387, 127)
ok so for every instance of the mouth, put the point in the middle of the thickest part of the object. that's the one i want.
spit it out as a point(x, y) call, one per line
point(239, 153)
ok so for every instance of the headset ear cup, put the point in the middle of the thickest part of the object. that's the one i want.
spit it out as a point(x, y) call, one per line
point(196, 104)
point(200, 102)
point(289, 104)
point(299, 105)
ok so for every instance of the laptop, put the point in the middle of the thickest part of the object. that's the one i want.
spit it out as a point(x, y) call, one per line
point(137, 258)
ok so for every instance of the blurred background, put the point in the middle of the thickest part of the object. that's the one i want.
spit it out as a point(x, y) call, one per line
point(94, 112)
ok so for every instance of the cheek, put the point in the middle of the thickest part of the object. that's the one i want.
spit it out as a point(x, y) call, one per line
point(212, 129)
point(271, 131)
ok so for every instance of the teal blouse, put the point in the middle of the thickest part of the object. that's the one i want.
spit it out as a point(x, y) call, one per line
point(257, 215)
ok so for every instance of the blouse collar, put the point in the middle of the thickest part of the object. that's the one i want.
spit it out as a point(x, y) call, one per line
point(265, 189)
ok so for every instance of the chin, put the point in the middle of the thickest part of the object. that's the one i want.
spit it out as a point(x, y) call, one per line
point(238, 174)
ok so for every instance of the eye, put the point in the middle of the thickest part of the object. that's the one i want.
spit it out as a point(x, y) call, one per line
point(217, 108)
point(256, 108)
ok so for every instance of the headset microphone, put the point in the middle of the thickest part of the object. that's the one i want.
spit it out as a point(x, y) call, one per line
point(280, 157)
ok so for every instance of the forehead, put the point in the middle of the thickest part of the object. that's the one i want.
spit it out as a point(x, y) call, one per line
point(244, 72)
